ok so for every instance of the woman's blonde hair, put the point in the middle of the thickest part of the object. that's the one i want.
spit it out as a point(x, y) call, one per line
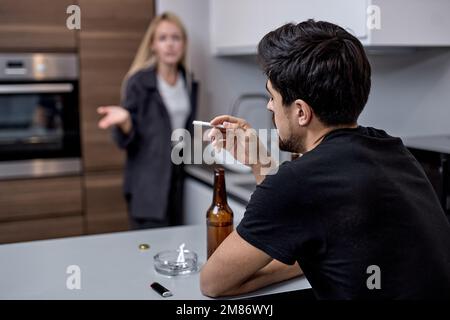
point(145, 56)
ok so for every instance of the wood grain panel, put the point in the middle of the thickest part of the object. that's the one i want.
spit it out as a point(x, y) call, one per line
point(104, 62)
point(40, 229)
point(30, 25)
point(105, 206)
point(108, 41)
point(31, 198)
point(116, 15)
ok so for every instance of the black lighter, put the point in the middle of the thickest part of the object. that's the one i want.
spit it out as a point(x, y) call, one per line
point(161, 290)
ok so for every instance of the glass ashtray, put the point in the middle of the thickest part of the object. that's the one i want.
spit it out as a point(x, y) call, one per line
point(168, 262)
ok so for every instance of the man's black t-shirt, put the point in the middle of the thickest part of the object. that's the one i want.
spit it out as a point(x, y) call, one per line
point(357, 200)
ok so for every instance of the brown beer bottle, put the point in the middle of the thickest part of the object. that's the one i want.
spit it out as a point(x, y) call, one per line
point(219, 217)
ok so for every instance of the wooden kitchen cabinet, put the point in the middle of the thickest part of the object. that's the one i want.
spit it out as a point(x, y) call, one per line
point(105, 208)
point(40, 229)
point(30, 25)
point(109, 38)
point(111, 31)
point(43, 208)
point(40, 198)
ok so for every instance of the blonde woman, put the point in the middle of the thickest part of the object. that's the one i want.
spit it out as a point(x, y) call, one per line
point(158, 97)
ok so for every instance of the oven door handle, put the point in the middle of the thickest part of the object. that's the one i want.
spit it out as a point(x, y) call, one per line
point(36, 88)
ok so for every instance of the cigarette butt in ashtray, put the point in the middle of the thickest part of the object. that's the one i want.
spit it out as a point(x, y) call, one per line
point(181, 254)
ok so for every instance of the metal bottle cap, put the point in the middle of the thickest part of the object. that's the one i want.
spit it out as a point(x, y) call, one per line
point(144, 246)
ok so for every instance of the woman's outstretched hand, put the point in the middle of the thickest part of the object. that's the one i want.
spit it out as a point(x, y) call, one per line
point(114, 116)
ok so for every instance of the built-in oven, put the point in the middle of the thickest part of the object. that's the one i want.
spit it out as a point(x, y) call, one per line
point(39, 115)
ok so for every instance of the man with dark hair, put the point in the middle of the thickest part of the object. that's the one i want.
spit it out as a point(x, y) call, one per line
point(355, 201)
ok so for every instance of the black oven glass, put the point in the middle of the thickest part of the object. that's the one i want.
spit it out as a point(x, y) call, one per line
point(40, 124)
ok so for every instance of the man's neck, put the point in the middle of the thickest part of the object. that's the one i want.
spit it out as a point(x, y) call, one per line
point(316, 136)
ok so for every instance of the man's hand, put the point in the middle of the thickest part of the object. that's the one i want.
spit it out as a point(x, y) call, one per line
point(115, 115)
point(243, 143)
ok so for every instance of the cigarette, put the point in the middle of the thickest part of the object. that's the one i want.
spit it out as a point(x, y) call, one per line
point(207, 124)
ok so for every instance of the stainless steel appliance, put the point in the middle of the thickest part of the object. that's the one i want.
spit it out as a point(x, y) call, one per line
point(39, 116)
point(433, 153)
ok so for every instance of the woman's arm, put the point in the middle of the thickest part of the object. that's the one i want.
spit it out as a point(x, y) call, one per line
point(126, 126)
point(124, 120)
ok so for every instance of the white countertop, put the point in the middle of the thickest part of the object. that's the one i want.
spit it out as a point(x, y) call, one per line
point(111, 265)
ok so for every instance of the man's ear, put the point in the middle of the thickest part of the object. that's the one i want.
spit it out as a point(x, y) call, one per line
point(304, 112)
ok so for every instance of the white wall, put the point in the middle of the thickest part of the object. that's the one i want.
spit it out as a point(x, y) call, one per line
point(410, 92)
point(222, 80)
point(194, 15)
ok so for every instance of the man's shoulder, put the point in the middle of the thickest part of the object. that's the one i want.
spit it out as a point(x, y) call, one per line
point(339, 152)
point(301, 166)
point(285, 179)
point(359, 135)
point(350, 144)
